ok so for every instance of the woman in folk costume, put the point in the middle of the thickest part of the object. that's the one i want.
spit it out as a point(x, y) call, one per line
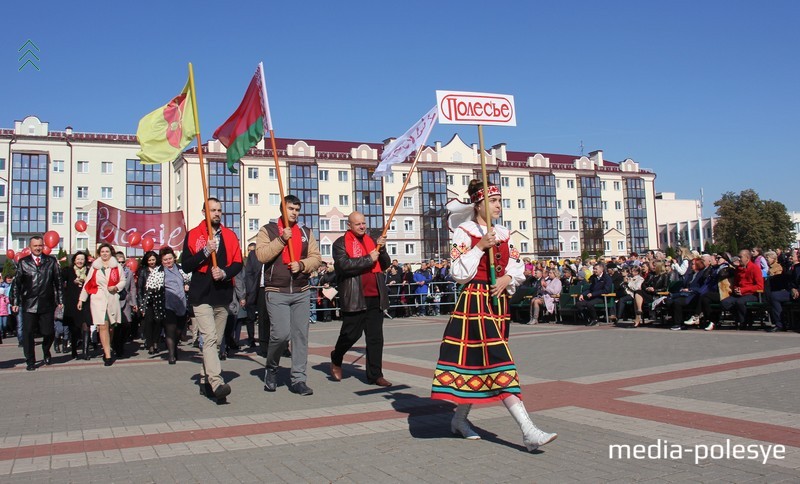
point(104, 282)
point(475, 363)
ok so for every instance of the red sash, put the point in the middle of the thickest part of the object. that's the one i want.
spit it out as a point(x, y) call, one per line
point(296, 241)
point(91, 285)
point(360, 248)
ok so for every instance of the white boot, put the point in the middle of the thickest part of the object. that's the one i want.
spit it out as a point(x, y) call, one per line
point(532, 436)
point(460, 424)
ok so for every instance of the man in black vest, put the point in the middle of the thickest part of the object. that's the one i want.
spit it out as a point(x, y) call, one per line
point(289, 254)
point(37, 292)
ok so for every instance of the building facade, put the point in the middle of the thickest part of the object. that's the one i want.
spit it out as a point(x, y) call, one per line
point(556, 206)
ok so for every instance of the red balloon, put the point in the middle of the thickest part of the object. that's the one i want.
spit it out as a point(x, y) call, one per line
point(10, 253)
point(132, 264)
point(147, 244)
point(25, 252)
point(51, 238)
point(80, 226)
point(47, 250)
point(134, 239)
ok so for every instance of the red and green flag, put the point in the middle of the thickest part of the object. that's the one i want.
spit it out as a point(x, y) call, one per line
point(247, 125)
point(166, 132)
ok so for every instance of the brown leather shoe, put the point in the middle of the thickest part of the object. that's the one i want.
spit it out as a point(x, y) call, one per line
point(382, 382)
point(336, 370)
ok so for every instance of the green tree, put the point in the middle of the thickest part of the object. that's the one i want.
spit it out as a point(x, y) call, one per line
point(9, 269)
point(746, 221)
point(62, 254)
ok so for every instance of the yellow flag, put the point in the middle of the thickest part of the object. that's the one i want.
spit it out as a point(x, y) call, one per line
point(166, 132)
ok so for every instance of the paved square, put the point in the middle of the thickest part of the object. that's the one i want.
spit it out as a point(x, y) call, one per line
point(687, 399)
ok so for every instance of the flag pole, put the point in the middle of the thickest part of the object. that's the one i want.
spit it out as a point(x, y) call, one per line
point(402, 191)
point(486, 216)
point(200, 158)
point(265, 101)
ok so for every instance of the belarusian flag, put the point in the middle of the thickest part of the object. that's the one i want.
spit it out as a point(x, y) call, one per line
point(247, 125)
point(164, 133)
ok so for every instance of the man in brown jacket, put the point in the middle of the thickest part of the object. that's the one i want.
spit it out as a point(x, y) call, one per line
point(286, 291)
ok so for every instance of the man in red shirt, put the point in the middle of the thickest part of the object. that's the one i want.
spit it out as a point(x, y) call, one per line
point(746, 285)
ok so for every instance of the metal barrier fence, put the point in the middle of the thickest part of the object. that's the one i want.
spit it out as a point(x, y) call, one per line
point(440, 299)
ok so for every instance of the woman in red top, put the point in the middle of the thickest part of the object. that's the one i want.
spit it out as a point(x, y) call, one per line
point(475, 363)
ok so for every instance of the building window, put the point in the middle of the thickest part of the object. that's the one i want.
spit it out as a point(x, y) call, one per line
point(2, 190)
point(252, 198)
point(573, 246)
point(343, 176)
point(393, 225)
point(616, 186)
point(324, 200)
point(272, 174)
point(619, 225)
point(607, 245)
point(82, 243)
point(391, 249)
point(82, 216)
point(523, 225)
point(617, 205)
point(591, 214)
point(342, 224)
point(344, 200)
point(58, 166)
point(408, 225)
point(143, 188)
point(83, 193)
point(304, 184)
point(409, 249)
point(621, 245)
point(252, 173)
point(57, 218)
point(28, 194)
point(252, 224)
point(324, 224)
point(390, 201)
point(504, 181)
point(573, 225)
point(58, 192)
point(2, 243)
point(558, 204)
point(545, 221)
point(408, 202)
point(523, 247)
point(605, 224)
point(602, 186)
point(571, 204)
point(106, 193)
point(433, 197)
point(465, 180)
point(325, 250)
point(405, 175)
point(560, 225)
point(389, 178)
point(323, 175)
point(274, 199)
point(570, 183)
point(506, 202)
point(106, 167)
point(558, 183)
point(605, 205)
point(507, 224)
point(449, 179)
point(83, 167)
point(367, 194)
point(521, 203)
point(2, 216)
point(226, 187)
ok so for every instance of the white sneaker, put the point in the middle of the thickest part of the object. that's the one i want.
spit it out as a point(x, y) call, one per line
point(710, 327)
point(693, 321)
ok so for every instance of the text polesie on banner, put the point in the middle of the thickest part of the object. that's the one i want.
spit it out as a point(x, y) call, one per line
point(115, 226)
point(398, 150)
point(457, 107)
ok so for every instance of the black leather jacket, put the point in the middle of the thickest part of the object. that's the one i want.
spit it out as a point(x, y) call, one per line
point(37, 289)
point(348, 273)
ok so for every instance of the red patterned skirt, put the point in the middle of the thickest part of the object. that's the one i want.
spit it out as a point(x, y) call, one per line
point(475, 364)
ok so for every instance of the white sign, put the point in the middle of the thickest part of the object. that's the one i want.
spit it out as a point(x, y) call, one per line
point(457, 107)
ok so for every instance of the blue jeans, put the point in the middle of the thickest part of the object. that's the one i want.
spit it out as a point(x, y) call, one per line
point(776, 300)
point(3, 322)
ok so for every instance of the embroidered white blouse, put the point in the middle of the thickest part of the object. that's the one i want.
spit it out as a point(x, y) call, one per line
point(464, 266)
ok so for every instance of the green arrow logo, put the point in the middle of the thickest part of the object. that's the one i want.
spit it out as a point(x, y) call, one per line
point(29, 53)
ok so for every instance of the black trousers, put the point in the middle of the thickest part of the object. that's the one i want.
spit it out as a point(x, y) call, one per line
point(121, 332)
point(46, 324)
point(370, 323)
point(588, 305)
point(263, 321)
point(681, 304)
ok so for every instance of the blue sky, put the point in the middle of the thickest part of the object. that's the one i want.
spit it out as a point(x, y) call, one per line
point(703, 93)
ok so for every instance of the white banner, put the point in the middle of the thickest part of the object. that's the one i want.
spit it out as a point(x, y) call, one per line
point(412, 140)
point(457, 107)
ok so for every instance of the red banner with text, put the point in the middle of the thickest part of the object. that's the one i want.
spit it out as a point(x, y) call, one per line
point(117, 227)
